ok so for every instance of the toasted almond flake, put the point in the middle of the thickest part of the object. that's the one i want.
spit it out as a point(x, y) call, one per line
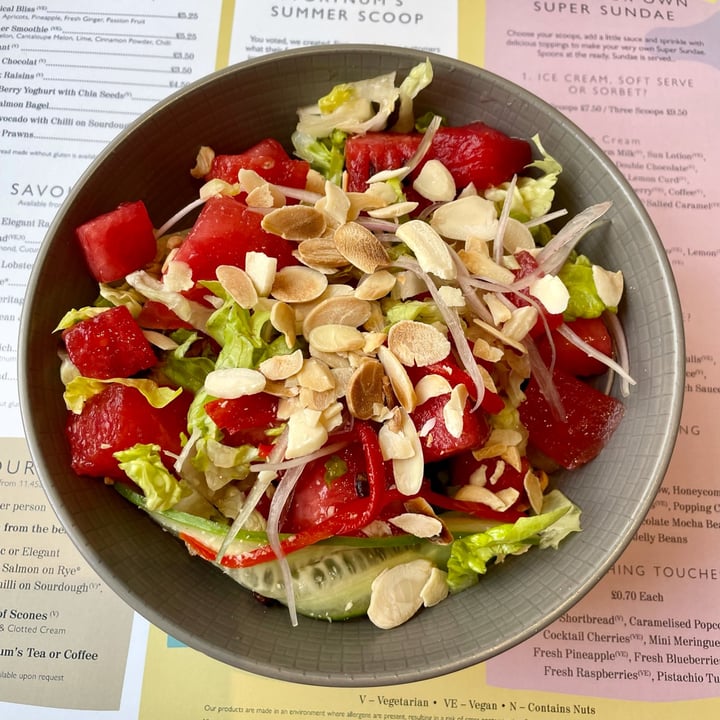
point(498, 472)
point(342, 379)
point(203, 162)
point(483, 350)
point(342, 310)
point(395, 594)
point(454, 410)
point(550, 290)
point(533, 490)
point(517, 237)
point(394, 211)
point(160, 340)
point(228, 383)
point(482, 265)
point(295, 222)
point(435, 589)
point(315, 182)
point(316, 400)
point(321, 253)
point(281, 367)
point(281, 389)
point(427, 427)
point(394, 444)
point(522, 321)
point(452, 296)
point(479, 476)
point(377, 528)
point(296, 284)
point(410, 471)
point(415, 343)
point(435, 182)
point(489, 450)
point(335, 203)
point(494, 332)
point(506, 436)
point(377, 195)
point(282, 318)
point(332, 416)
point(384, 175)
point(316, 375)
point(373, 340)
point(399, 379)
point(376, 322)
point(335, 361)
point(215, 187)
point(499, 310)
point(470, 216)
point(609, 285)
point(261, 269)
point(265, 196)
point(513, 457)
point(478, 494)
point(375, 286)
point(336, 338)
point(360, 247)
point(306, 433)
point(418, 525)
point(430, 386)
point(364, 390)
point(431, 251)
point(249, 180)
point(238, 285)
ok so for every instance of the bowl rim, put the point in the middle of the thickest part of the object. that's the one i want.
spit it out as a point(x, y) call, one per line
point(362, 679)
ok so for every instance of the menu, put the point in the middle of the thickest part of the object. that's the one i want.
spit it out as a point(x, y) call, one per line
point(641, 78)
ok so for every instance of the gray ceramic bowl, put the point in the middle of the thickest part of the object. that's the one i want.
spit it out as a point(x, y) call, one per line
point(194, 602)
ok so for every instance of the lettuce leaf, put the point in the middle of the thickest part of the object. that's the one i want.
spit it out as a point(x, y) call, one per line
point(143, 465)
point(584, 302)
point(80, 389)
point(187, 372)
point(471, 555)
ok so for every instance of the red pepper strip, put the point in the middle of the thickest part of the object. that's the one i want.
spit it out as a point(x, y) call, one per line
point(353, 516)
point(471, 508)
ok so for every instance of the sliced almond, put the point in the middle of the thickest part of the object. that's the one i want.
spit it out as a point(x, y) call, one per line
point(421, 526)
point(416, 343)
point(316, 375)
point(498, 309)
point(478, 494)
point(282, 318)
point(451, 296)
point(435, 182)
point(344, 310)
point(409, 471)
point(454, 410)
point(483, 350)
point(261, 269)
point(364, 392)
point(399, 379)
point(395, 594)
point(360, 247)
point(522, 321)
point(238, 285)
point(533, 490)
point(306, 433)
point(431, 386)
point(431, 251)
point(229, 383)
point(336, 338)
point(250, 180)
point(177, 276)
point(217, 187)
point(394, 211)
point(375, 286)
point(295, 222)
point(321, 253)
point(159, 340)
point(435, 589)
point(203, 162)
point(609, 285)
point(265, 196)
point(296, 284)
point(484, 266)
point(550, 290)
point(335, 203)
point(281, 367)
point(470, 216)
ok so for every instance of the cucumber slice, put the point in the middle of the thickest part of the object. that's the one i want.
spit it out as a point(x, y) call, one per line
point(330, 582)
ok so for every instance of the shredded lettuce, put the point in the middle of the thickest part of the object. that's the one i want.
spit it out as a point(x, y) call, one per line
point(471, 555)
point(584, 302)
point(326, 155)
point(419, 310)
point(417, 79)
point(80, 389)
point(188, 372)
point(74, 316)
point(144, 466)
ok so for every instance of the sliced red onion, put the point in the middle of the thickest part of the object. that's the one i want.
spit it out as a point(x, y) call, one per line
point(179, 215)
point(498, 246)
point(618, 335)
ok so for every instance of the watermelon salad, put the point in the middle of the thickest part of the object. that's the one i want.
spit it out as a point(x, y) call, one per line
point(349, 381)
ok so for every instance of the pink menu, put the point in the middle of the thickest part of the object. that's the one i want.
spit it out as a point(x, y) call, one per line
point(641, 78)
